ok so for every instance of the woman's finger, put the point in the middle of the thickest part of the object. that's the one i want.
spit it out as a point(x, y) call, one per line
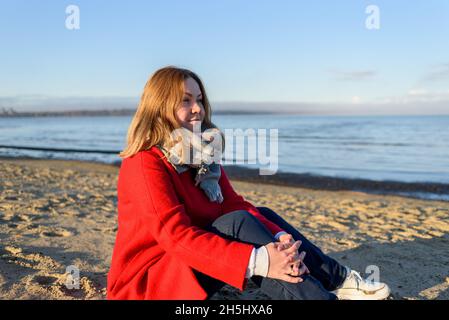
point(302, 270)
point(292, 279)
point(295, 257)
point(289, 239)
point(302, 255)
point(290, 259)
point(280, 246)
point(286, 237)
point(296, 269)
point(294, 247)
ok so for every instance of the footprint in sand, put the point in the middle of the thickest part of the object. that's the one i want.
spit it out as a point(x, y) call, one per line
point(106, 230)
point(44, 280)
point(69, 212)
point(57, 233)
point(12, 249)
point(88, 289)
point(55, 284)
point(28, 260)
point(19, 217)
point(32, 226)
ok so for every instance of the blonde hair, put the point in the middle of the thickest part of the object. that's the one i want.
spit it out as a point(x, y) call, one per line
point(155, 117)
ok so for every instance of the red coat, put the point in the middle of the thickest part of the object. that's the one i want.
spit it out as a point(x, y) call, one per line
point(160, 237)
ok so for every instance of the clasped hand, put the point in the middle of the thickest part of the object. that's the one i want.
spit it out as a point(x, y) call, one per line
point(286, 263)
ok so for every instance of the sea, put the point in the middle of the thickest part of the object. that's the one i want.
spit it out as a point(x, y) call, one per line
point(408, 149)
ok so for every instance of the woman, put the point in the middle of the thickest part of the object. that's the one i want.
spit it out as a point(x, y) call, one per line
point(184, 232)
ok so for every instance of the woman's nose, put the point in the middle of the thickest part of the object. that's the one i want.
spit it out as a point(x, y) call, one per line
point(196, 108)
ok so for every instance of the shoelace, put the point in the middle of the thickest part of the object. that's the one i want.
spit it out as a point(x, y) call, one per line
point(358, 278)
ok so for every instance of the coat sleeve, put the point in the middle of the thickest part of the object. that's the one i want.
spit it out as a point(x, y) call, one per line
point(233, 201)
point(165, 217)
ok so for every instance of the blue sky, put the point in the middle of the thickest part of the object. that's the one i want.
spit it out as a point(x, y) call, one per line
point(316, 53)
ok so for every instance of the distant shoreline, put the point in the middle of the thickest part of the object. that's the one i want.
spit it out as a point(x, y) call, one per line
point(104, 112)
point(416, 190)
point(130, 112)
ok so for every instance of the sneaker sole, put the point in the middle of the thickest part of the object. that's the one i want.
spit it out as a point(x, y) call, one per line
point(354, 294)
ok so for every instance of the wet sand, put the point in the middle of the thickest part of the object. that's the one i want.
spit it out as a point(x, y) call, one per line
point(54, 214)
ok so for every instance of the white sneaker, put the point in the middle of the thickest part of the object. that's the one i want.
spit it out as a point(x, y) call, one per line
point(356, 288)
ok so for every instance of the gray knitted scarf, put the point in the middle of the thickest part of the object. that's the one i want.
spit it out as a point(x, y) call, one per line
point(207, 175)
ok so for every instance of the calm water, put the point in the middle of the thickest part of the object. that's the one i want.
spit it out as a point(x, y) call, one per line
point(414, 148)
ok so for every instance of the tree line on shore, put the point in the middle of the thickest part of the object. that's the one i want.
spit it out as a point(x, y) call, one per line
point(10, 112)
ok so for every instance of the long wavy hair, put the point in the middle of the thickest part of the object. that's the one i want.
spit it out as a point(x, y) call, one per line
point(155, 117)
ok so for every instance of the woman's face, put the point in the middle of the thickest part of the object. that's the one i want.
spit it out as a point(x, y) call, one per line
point(191, 111)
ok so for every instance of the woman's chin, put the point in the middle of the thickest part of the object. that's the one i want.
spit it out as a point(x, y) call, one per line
point(195, 125)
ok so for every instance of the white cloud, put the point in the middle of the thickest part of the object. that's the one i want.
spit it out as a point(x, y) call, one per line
point(438, 72)
point(355, 99)
point(417, 92)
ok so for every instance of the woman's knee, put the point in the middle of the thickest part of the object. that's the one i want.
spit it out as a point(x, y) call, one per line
point(236, 216)
point(242, 225)
point(239, 213)
point(226, 222)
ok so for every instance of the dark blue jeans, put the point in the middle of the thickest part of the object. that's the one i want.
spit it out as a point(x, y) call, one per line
point(325, 273)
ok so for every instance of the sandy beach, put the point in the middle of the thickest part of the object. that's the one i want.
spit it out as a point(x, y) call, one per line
point(54, 214)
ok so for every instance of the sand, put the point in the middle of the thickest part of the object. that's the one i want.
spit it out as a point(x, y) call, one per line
point(55, 214)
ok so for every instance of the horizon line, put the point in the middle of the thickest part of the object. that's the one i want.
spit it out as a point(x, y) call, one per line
point(5, 113)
